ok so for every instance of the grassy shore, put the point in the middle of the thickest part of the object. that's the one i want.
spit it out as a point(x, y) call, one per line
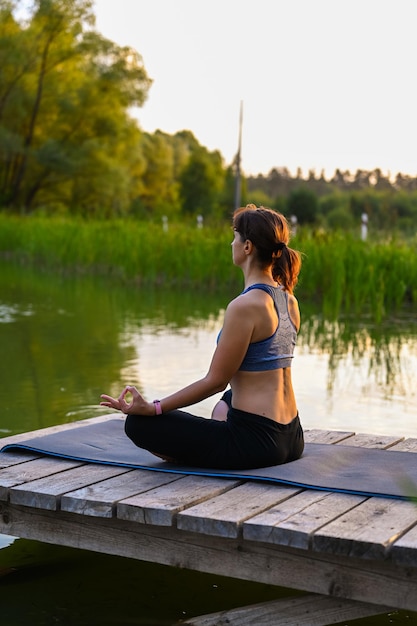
point(340, 272)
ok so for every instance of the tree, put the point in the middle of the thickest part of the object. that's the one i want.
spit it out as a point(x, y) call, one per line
point(340, 218)
point(303, 204)
point(159, 192)
point(67, 136)
point(227, 196)
point(361, 180)
point(201, 183)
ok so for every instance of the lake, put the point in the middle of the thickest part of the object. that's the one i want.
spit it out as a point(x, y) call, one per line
point(65, 340)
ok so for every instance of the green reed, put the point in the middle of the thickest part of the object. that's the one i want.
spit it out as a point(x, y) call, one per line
point(348, 275)
point(340, 273)
point(129, 250)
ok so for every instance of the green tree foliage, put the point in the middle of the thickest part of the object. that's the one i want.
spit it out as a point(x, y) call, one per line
point(303, 204)
point(65, 135)
point(228, 196)
point(67, 141)
point(340, 218)
point(179, 175)
point(158, 193)
point(260, 198)
point(202, 183)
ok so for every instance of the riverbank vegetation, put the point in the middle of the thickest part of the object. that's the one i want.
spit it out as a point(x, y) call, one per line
point(341, 273)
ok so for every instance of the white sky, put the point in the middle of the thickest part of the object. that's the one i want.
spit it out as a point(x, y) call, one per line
point(324, 83)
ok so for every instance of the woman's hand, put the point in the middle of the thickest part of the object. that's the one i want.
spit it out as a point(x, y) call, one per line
point(136, 406)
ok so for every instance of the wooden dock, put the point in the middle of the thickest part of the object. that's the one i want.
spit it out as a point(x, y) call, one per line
point(357, 555)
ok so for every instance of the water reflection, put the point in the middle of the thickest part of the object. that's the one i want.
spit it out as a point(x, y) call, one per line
point(368, 373)
point(66, 340)
point(386, 350)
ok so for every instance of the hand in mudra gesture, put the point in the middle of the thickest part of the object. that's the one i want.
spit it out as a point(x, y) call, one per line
point(129, 402)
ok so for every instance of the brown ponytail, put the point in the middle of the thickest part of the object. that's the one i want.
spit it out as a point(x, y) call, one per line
point(286, 267)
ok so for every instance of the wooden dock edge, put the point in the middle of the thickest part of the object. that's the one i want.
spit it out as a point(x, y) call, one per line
point(342, 577)
point(308, 610)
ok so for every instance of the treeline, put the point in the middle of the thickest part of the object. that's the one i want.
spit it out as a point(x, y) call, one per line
point(69, 145)
point(340, 203)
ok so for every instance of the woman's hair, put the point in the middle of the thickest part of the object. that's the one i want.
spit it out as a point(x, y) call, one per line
point(270, 234)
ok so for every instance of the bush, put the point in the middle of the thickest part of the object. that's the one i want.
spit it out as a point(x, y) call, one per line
point(340, 218)
point(303, 203)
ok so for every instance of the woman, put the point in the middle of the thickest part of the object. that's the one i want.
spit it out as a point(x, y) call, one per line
point(256, 422)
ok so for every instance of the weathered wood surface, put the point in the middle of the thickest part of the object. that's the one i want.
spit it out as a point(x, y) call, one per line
point(344, 546)
point(308, 610)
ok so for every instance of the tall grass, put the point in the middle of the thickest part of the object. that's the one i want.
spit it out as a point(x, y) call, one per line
point(340, 272)
point(357, 277)
point(128, 250)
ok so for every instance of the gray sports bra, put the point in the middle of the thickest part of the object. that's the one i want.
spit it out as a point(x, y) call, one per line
point(277, 351)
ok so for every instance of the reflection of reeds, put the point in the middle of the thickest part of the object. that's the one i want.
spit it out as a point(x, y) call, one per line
point(340, 273)
point(380, 350)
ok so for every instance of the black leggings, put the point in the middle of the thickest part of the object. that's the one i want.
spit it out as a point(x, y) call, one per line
point(244, 441)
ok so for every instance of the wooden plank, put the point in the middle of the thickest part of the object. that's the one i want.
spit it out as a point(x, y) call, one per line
point(369, 530)
point(404, 550)
point(293, 522)
point(350, 578)
point(366, 440)
point(224, 515)
point(308, 610)
point(45, 493)
point(100, 499)
point(7, 459)
point(315, 435)
point(406, 445)
point(374, 528)
point(32, 470)
point(159, 506)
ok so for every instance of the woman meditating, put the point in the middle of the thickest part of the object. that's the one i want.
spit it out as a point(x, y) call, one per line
point(256, 423)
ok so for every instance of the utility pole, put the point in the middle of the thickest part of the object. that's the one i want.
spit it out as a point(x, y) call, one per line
point(238, 159)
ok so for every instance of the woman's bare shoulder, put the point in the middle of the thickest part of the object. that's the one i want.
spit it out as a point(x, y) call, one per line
point(250, 300)
point(244, 309)
point(294, 311)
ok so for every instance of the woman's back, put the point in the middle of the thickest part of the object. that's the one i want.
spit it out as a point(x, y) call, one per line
point(263, 382)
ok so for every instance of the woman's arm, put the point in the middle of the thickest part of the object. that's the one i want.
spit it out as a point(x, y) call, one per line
point(233, 343)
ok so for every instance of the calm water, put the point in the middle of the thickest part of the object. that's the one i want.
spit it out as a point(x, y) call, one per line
point(64, 341)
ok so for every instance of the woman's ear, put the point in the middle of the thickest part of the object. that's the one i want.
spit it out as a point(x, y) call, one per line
point(248, 246)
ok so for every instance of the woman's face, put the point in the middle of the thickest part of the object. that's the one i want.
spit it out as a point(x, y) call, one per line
point(237, 248)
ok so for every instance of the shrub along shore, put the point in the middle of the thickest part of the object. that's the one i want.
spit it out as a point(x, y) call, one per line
point(340, 273)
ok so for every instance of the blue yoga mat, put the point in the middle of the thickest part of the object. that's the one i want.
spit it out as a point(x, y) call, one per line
point(338, 468)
